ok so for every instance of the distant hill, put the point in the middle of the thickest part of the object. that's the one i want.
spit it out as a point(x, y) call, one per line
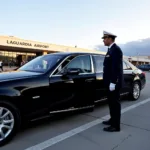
point(133, 48)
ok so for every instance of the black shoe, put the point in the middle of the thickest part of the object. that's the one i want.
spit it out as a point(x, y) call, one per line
point(108, 122)
point(111, 129)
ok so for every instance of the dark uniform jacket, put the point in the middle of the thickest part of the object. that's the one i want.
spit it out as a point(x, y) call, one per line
point(113, 67)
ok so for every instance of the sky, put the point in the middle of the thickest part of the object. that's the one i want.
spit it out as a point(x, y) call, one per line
point(75, 22)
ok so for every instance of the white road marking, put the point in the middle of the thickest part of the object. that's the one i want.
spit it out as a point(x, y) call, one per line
point(82, 128)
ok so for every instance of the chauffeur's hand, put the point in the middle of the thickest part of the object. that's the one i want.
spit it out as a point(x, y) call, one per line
point(112, 86)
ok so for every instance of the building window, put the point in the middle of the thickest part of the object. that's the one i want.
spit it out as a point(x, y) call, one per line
point(15, 58)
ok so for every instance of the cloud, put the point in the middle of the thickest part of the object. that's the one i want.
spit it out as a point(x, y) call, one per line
point(133, 48)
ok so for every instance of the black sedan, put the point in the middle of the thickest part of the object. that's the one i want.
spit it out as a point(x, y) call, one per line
point(57, 83)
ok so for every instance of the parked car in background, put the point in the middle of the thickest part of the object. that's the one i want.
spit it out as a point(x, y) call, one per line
point(57, 83)
point(145, 67)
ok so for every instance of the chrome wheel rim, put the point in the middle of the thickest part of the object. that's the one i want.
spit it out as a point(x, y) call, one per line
point(136, 91)
point(6, 123)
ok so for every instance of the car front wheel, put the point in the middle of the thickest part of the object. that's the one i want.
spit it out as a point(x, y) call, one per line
point(9, 122)
point(136, 91)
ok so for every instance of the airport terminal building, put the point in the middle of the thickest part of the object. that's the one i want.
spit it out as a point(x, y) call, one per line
point(14, 51)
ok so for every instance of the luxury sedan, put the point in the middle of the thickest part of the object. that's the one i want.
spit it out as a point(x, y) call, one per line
point(57, 83)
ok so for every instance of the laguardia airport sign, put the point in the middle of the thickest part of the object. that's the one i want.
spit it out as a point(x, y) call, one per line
point(27, 44)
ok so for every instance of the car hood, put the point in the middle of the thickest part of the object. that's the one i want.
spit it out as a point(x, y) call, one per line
point(17, 75)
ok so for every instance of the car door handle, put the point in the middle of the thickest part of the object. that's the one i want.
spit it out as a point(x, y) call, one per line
point(69, 81)
point(89, 80)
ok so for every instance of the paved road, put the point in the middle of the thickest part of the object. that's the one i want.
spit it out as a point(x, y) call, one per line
point(41, 131)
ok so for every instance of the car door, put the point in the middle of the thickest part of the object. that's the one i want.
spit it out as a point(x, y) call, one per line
point(84, 82)
point(129, 75)
point(100, 89)
point(72, 91)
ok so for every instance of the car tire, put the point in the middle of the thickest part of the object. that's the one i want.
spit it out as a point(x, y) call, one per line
point(136, 91)
point(9, 124)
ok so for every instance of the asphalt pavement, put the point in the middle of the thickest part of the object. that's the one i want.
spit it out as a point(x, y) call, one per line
point(84, 130)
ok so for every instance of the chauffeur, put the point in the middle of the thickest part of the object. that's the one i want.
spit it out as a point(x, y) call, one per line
point(113, 80)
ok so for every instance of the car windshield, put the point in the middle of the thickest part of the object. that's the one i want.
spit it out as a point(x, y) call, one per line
point(41, 63)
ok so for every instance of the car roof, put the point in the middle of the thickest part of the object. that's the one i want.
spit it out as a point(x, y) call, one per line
point(75, 53)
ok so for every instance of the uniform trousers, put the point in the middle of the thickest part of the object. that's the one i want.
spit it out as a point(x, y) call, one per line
point(114, 107)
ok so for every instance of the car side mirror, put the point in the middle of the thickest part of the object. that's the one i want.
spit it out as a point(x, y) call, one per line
point(71, 71)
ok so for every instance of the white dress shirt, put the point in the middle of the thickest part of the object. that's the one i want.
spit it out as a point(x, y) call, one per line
point(111, 45)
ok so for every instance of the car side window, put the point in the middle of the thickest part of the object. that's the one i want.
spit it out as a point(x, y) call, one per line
point(98, 61)
point(59, 69)
point(83, 63)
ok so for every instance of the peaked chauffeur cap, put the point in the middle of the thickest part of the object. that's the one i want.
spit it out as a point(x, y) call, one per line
point(108, 34)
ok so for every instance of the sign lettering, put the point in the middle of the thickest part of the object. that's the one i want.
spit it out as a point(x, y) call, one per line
point(27, 44)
